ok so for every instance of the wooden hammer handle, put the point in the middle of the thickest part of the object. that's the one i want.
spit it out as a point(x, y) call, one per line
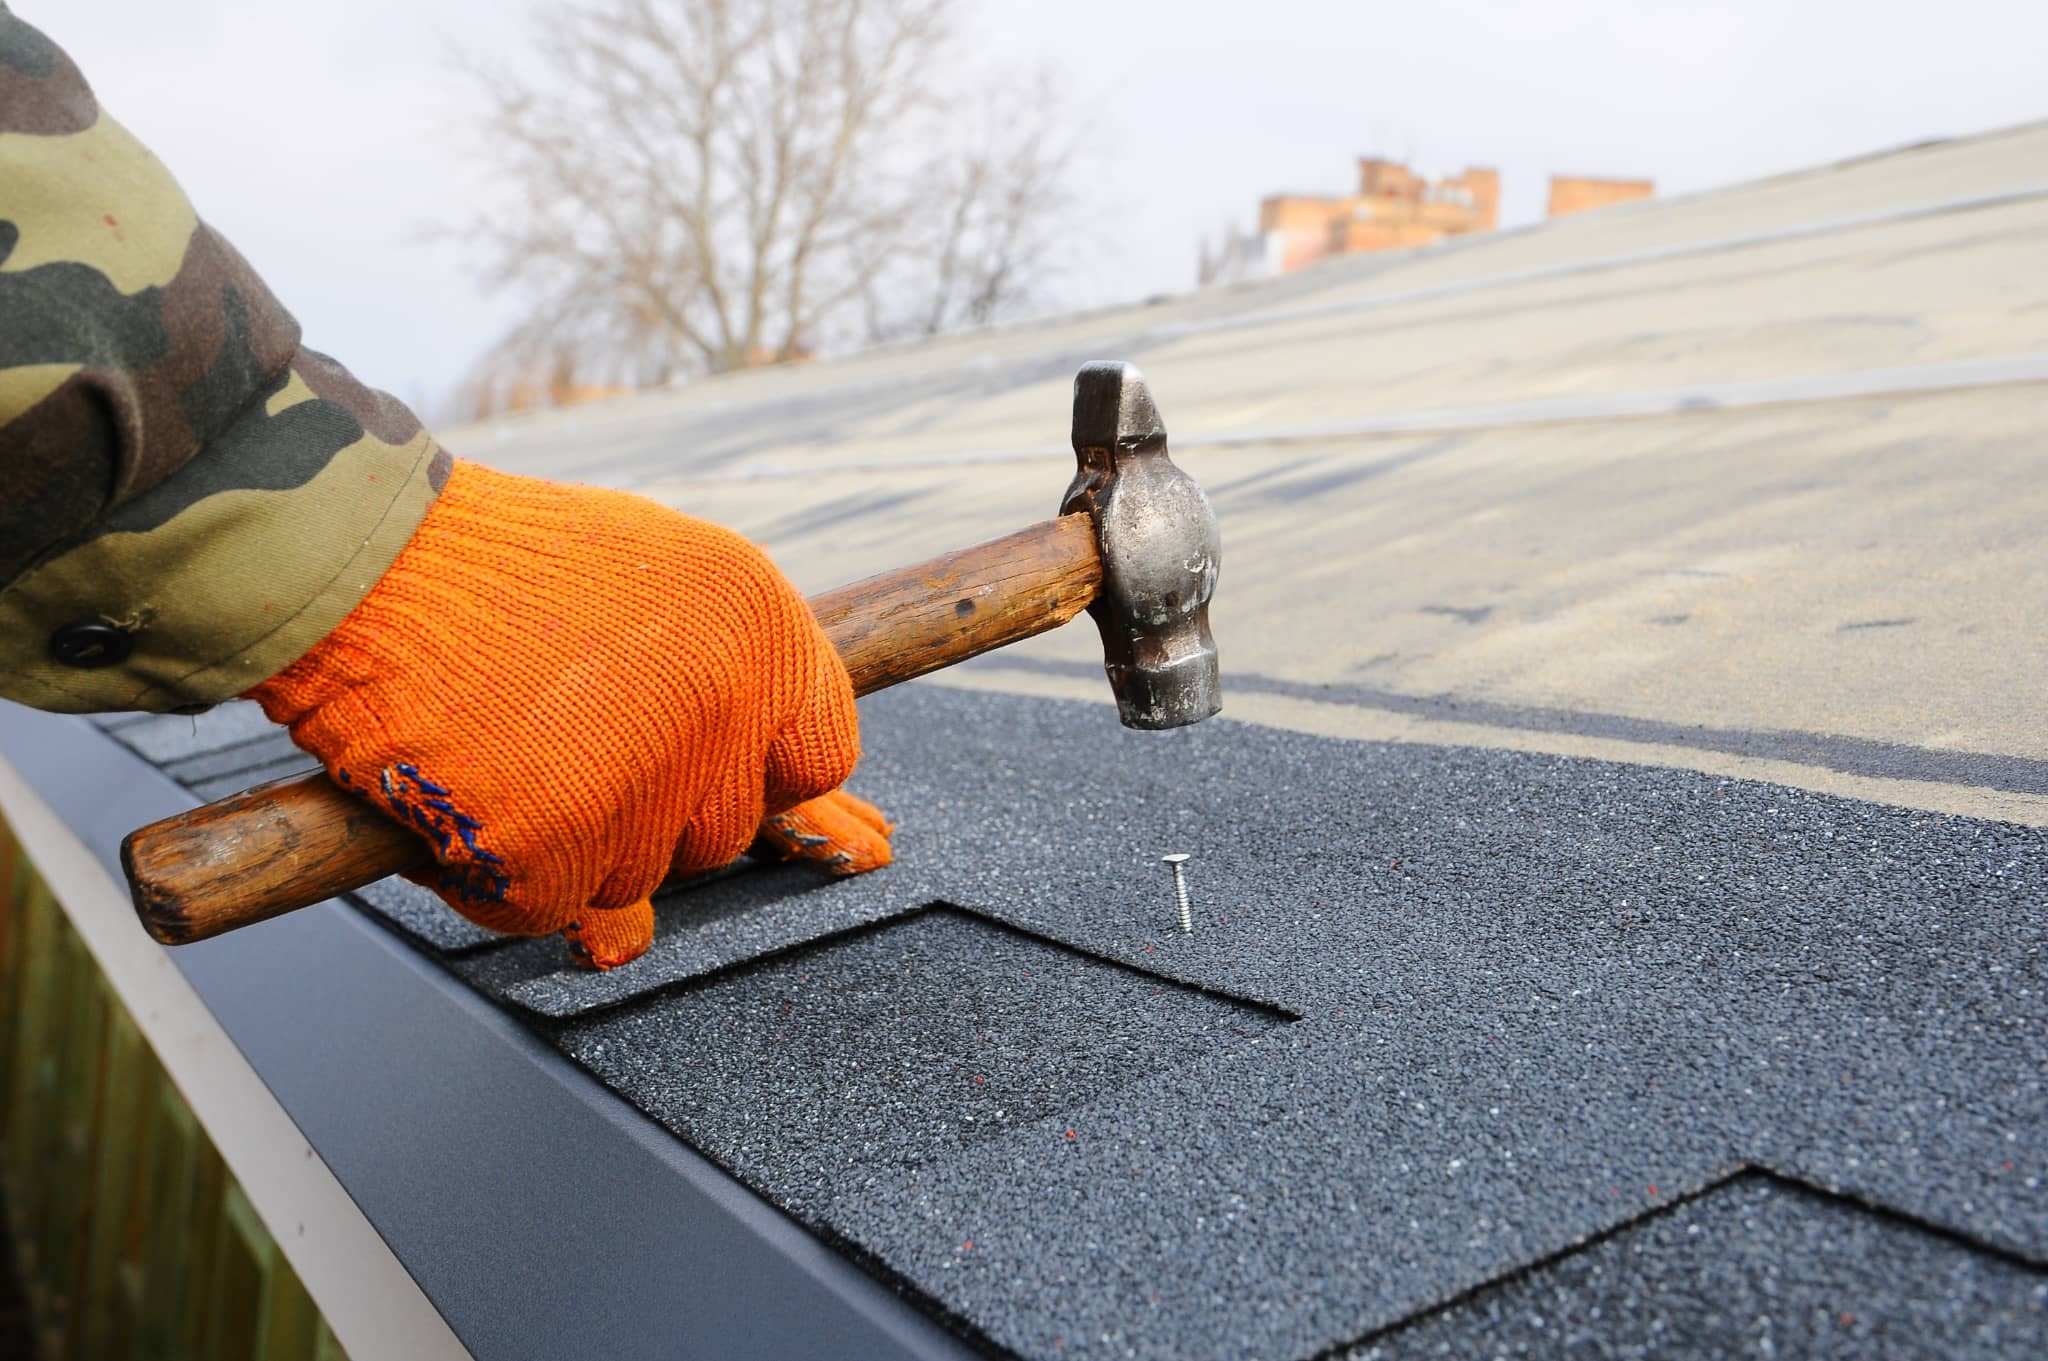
point(286, 845)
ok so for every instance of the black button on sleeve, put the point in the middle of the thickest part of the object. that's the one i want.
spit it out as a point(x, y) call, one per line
point(91, 643)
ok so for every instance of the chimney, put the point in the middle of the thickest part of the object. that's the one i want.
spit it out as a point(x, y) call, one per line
point(1379, 178)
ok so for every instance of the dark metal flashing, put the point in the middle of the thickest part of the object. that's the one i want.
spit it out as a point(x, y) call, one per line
point(541, 1214)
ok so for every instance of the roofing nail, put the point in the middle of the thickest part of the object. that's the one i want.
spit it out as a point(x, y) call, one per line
point(1180, 888)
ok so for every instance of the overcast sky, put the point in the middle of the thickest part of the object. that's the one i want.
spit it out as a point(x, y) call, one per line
point(325, 136)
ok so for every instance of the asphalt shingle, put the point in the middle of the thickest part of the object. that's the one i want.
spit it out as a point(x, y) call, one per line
point(1756, 1267)
point(1541, 997)
point(704, 926)
point(898, 1045)
point(164, 738)
point(424, 918)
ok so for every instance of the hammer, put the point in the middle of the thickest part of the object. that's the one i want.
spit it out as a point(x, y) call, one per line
point(1135, 544)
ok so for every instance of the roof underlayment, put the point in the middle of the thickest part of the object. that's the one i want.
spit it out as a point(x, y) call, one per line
point(1620, 877)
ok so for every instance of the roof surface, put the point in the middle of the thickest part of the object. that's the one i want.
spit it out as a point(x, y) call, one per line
point(1485, 1041)
point(1449, 1016)
point(1748, 482)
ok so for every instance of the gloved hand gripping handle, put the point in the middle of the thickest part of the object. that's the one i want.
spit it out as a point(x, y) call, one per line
point(1135, 545)
point(295, 842)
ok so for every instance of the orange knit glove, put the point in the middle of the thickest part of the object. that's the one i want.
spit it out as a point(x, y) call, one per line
point(838, 834)
point(574, 693)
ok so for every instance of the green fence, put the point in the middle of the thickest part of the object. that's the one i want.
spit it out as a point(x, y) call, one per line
point(132, 1239)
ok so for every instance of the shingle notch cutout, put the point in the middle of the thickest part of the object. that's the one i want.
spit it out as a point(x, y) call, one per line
point(1757, 1266)
point(896, 1045)
point(705, 926)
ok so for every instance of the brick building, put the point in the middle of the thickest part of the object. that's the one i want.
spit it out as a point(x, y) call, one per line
point(1393, 207)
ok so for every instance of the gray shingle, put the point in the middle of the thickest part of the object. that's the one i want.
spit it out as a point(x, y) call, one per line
point(709, 924)
point(271, 749)
point(174, 737)
point(1542, 996)
point(1756, 1267)
point(895, 1046)
point(219, 787)
point(424, 917)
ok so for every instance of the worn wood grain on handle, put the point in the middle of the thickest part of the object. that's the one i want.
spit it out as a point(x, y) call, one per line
point(913, 621)
point(260, 854)
point(292, 843)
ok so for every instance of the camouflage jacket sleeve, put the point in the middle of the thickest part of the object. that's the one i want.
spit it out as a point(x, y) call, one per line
point(189, 499)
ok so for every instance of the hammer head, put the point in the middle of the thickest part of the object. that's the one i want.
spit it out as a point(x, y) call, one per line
point(1159, 547)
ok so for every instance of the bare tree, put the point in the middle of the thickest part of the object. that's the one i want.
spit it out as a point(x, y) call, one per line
point(999, 210)
point(703, 185)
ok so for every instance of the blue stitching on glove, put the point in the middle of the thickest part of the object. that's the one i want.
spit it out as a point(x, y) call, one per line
point(428, 806)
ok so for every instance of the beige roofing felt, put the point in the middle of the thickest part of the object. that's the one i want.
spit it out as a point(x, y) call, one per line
point(1753, 482)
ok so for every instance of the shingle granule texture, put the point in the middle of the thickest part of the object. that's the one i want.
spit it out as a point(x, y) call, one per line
point(1541, 998)
point(1755, 1268)
point(423, 917)
point(896, 1047)
point(161, 738)
point(708, 924)
point(273, 748)
point(1651, 1054)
